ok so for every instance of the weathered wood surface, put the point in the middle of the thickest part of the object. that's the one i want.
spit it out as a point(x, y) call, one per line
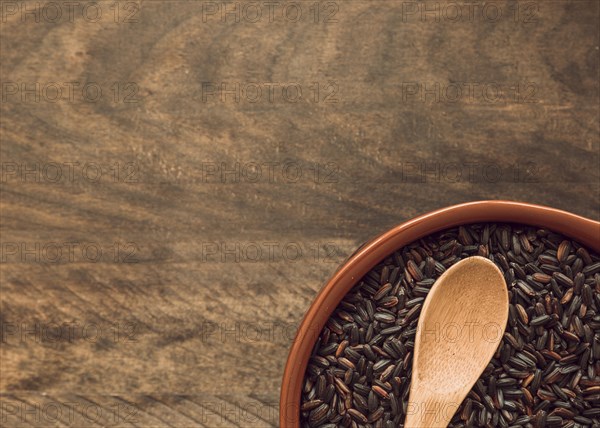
point(186, 317)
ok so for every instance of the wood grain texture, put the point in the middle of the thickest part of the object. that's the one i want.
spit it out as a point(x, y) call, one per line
point(213, 244)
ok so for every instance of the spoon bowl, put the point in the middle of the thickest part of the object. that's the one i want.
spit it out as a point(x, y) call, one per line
point(460, 327)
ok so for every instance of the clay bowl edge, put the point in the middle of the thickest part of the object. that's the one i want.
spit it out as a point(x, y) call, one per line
point(581, 229)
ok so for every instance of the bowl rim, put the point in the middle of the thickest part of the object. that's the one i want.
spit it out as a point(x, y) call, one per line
point(582, 229)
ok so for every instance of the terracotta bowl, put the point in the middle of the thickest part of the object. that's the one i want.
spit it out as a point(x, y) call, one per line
point(581, 229)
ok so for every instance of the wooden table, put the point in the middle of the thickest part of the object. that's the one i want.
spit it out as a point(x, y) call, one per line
point(180, 178)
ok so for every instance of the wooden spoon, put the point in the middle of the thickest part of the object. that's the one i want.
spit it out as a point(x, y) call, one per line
point(460, 327)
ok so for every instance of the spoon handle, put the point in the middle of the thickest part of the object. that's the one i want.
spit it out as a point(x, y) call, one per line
point(430, 412)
